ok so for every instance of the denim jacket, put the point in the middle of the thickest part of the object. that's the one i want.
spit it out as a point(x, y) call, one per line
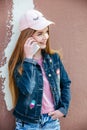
point(30, 85)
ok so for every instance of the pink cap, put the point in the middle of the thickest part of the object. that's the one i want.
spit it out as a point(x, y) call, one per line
point(33, 19)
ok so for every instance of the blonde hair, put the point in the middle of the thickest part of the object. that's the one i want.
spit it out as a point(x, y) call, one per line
point(17, 56)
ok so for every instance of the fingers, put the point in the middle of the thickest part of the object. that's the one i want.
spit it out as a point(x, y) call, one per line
point(54, 117)
point(51, 113)
point(56, 114)
point(29, 48)
point(29, 41)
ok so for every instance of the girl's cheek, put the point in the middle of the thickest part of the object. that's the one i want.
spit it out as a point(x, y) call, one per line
point(39, 39)
point(46, 36)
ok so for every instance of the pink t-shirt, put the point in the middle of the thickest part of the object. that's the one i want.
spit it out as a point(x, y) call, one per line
point(47, 100)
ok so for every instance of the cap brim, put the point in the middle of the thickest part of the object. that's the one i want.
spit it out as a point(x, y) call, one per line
point(43, 23)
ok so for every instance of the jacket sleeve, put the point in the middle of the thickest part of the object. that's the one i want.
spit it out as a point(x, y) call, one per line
point(65, 89)
point(25, 81)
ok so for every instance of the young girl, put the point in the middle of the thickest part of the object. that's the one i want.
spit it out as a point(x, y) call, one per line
point(38, 81)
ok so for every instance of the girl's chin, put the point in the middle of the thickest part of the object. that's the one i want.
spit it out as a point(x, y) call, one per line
point(43, 47)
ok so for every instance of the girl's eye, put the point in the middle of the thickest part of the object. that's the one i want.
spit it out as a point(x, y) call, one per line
point(47, 31)
point(39, 34)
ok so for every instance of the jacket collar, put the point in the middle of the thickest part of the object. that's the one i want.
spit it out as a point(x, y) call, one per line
point(45, 55)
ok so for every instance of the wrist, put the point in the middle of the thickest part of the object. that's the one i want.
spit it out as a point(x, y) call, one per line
point(29, 60)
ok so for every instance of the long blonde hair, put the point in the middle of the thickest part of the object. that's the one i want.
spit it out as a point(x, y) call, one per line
point(17, 56)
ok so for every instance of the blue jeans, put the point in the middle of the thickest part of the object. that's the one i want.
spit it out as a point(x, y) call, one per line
point(46, 123)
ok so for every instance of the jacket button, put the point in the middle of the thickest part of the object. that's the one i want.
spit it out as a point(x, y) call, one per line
point(44, 61)
point(50, 60)
point(49, 75)
point(54, 89)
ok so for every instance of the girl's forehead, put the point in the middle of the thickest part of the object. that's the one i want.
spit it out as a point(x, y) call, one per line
point(43, 30)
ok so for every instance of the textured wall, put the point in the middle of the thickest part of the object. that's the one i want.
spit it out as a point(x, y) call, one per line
point(5, 36)
point(68, 34)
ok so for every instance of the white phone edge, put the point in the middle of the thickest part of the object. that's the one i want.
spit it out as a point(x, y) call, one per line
point(36, 47)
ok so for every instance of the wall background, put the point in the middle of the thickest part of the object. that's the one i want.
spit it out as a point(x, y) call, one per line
point(68, 34)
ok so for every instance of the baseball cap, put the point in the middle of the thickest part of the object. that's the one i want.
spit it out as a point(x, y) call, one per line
point(33, 19)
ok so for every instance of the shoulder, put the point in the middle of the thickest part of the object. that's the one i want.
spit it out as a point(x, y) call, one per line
point(55, 56)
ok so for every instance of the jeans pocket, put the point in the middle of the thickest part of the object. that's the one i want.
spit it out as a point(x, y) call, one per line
point(19, 126)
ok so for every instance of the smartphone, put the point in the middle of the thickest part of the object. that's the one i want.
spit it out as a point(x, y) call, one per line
point(36, 47)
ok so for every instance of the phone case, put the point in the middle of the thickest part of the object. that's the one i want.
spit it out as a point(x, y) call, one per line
point(36, 47)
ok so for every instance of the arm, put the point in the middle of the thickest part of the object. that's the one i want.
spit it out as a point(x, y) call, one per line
point(65, 90)
point(65, 96)
point(25, 81)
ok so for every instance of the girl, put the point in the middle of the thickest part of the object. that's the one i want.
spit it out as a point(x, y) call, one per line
point(38, 81)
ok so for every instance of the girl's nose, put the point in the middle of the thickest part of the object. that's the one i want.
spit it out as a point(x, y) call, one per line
point(46, 36)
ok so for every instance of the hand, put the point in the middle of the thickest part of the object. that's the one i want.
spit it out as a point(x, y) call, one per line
point(56, 114)
point(28, 48)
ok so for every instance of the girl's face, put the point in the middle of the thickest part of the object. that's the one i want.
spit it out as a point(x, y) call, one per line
point(41, 37)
